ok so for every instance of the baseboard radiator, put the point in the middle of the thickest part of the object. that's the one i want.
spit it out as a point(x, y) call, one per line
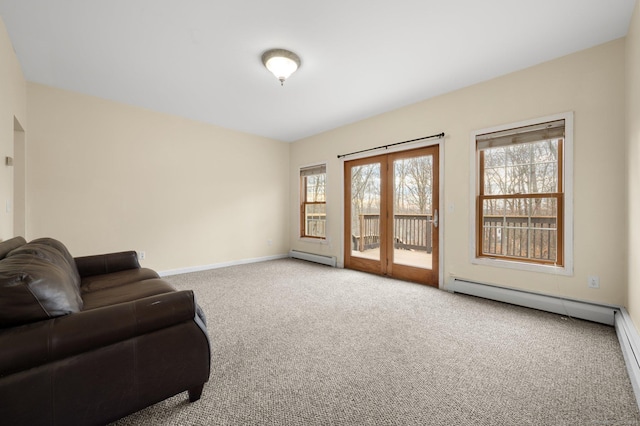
point(317, 258)
point(630, 345)
point(573, 308)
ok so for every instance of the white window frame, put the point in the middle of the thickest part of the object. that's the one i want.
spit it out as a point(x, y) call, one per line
point(567, 177)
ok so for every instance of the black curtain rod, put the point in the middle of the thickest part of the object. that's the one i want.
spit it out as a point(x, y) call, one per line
point(439, 135)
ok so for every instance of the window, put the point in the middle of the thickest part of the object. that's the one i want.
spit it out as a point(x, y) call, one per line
point(521, 194)
point(313, 205)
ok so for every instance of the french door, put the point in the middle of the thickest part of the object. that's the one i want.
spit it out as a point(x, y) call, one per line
point(391, 215)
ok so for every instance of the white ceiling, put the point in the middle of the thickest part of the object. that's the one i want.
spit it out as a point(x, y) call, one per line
point(201, 58)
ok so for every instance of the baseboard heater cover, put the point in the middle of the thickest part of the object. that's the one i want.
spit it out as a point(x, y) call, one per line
point(573, 308)
point(311, 257)
point(630, 345)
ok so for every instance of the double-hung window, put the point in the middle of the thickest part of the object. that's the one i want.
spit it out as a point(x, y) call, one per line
point(521, 194)
point(313, 203)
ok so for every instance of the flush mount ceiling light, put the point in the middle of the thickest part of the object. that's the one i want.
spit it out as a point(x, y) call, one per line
point(282, 63)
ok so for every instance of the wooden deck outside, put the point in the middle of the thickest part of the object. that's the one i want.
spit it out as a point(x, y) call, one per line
point(415, 258)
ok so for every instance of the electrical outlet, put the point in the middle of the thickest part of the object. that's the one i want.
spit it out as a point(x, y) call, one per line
point(142, 255)
point(593, 281)
point(269, 242)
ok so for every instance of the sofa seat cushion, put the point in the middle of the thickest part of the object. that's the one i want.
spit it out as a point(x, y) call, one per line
point(125, 293)
point(115, 279)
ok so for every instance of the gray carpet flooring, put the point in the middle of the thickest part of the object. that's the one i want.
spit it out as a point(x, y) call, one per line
point(295, 343)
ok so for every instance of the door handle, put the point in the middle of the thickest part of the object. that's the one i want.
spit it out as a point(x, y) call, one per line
point(435, 218)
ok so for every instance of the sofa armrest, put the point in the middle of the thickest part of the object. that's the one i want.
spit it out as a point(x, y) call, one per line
point(46, 341)
point(106, 263)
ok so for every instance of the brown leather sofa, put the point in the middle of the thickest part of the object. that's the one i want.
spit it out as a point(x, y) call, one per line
point(91, 339)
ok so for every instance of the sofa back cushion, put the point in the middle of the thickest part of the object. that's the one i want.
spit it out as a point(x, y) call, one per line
point(12, 244)
point(38, 280)
point(53, 251)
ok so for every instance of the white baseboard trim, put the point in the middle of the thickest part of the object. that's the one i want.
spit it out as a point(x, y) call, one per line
point(630, 345)
point(220, 265)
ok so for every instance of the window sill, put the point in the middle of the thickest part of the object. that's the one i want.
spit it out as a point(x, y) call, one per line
point(313, 240)
point(523, 266)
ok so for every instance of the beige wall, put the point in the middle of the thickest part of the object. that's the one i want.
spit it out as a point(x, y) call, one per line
point(590, 83)
point(12, 108)
point(633, 164)
point(104, 176)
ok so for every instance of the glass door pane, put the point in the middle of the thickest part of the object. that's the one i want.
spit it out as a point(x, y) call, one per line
point(413, 211)
point(365, 211)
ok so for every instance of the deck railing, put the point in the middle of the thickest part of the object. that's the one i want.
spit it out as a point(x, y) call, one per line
point(514, 236)
point(520, 236)
point(410, 232)
point(315, 225)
